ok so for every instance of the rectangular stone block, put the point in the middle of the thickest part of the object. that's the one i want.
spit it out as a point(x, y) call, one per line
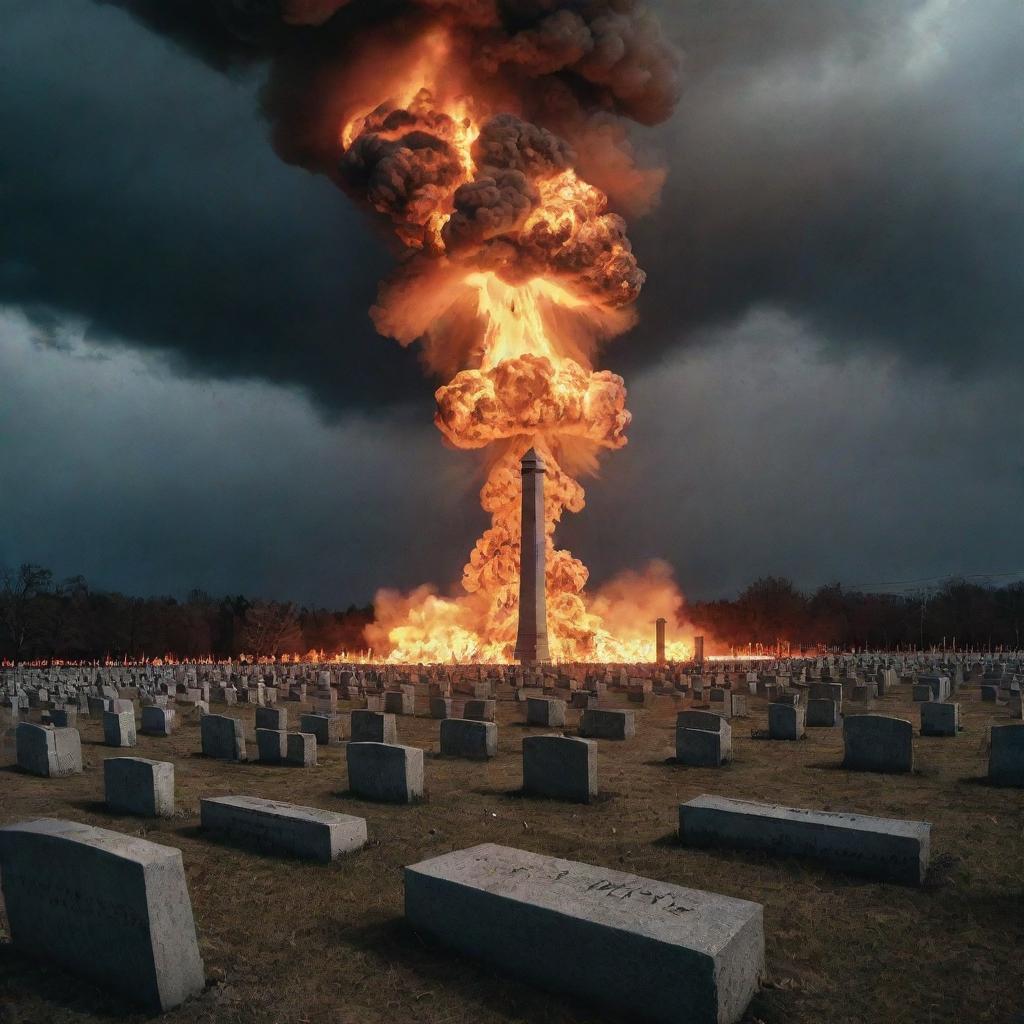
point(222, 737)
point(64, 718)
point(602, 724)
point(300, 751)
point(480, 710)
point(397, 702)
point(786, 722)
point(385, 771)
point(940, 719)
point(305, 832)
point(461, 737)
point(373, 727)
point(119, 728)
point(921, 692)
point(990, 693)
point(546, 712)
point(327, 729)
point(111, 907)
point(703, 739)
point(821, 713)
point(272, 718)
point(639, 947)
point(1005, 756)
point(886, 848)
point(272, 745)
point(157, 721)
point(135, 785)
point(440, 707)
point(53, 753)
point(562, 767)
point(878, 743)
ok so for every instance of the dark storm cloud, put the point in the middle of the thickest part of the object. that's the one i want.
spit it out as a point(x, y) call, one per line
point(856, 164)
point(139, 192)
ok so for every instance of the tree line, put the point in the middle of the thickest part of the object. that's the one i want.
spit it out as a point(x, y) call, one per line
point(42, 618)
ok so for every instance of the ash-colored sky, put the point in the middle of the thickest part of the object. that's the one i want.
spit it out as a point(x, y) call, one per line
point(825, 381)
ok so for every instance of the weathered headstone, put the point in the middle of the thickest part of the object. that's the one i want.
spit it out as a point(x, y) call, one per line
point(119, 728)
point(461, 737)
point(546, 712)
point(939, 719)
point(111, 907)
point(300, 750)
point(703, 739)
point(885, 848)
point(272, 745)
point(157, 721)
point(373, 727)
point(327, 729)
point(50, 752)
point(306, 832)
point(822, 713)
point(385, 771)
point(878, 743)
point(480, 710)
point(601, 724)
point(222, 737)
point(1006, 755)
point(640, 947)
point(135, 785)
point(272, 718)
point(563, 767)
point(786, 721)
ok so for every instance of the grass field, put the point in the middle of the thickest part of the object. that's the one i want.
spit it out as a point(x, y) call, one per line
point(293, 943)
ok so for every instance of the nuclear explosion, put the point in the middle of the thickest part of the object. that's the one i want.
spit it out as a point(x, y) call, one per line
point(491, 138)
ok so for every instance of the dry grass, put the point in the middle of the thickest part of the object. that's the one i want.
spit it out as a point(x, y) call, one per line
point(290, 943)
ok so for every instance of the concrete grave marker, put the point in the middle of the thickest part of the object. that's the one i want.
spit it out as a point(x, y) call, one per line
point(461, 737)
point(53, 753)
point(878, 743)
point(111, 907)
point(601, 724)
point(385, 771)
point(562, 767)
point(135, 785)
point(222, 737)
point(119, 728)
point(885, 848)
point(306, 832)
point(1006, 755)
point(645, 948)
point(373, 727)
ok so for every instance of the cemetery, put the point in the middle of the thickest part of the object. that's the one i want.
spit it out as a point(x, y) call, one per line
point(280, 850)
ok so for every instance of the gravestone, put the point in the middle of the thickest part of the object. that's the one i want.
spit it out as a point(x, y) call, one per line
point(306, 832)
point(327, 729)
point(1006, 755)
point(940, 719)
point(821, 713)
point(638, 946)
point(885, 848)
point(272, 745)
point(385, 771)
point(373, 727)
point(480, 710)
point(461, 737)
point(64, 718)
point(440, 707)
point(921, 692)
point(878, 743)
point(111, 907)
point(53, 753)
point(786, 721)
point(135, 785)
point(157, 721)
point(300, 750)
point(222, 737)
point(272, 718)
point(703, 739)
point(397, 702)
point(119, 728)
point(546, 712)
point(601, 724)
point(562, 767)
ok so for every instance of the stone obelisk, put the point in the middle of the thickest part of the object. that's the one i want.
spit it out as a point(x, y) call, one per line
point(532, 639)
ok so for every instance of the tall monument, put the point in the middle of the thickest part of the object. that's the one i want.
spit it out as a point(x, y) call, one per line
point(532, 639)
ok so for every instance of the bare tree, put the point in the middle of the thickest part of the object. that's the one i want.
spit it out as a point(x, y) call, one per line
point(21, 613)
point(271, 628)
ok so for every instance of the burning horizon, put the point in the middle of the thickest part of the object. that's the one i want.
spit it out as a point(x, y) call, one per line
point(490, 137)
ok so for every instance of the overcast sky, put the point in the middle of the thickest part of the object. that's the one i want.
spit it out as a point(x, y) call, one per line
point(826, 379)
